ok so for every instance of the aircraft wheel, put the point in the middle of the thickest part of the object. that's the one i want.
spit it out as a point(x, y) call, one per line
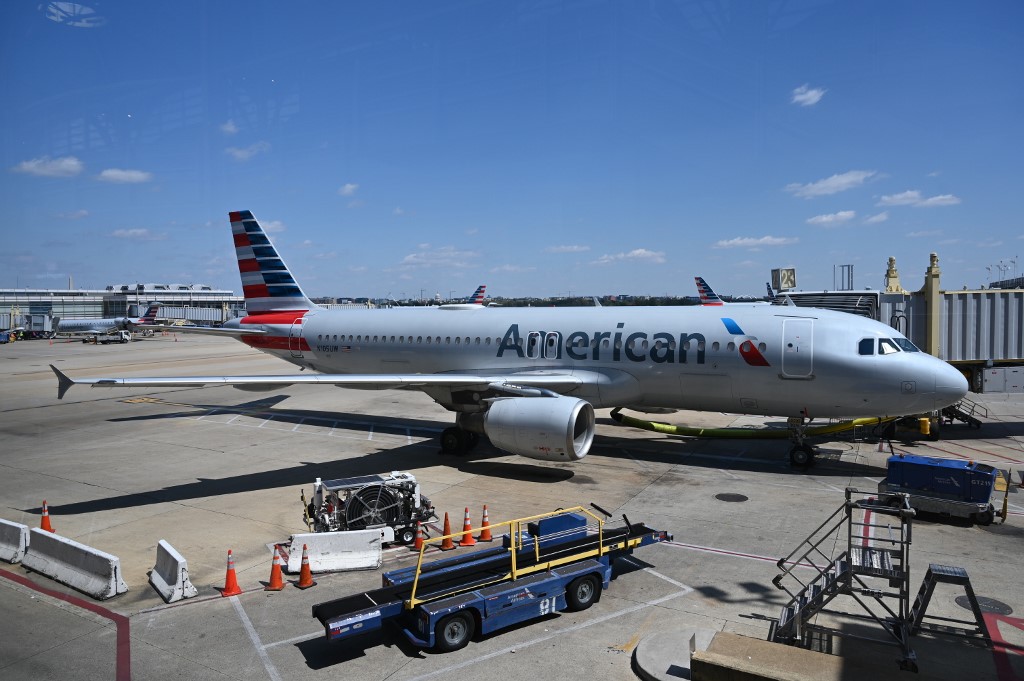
point(801, 456)
point(454, 631)
point(453, 441)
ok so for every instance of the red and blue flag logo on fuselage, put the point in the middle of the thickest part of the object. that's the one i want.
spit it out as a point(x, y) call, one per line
point(748, 349)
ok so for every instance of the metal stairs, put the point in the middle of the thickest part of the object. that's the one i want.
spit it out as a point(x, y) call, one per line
point(873, 570)
point(967, 411)
point(947, 574)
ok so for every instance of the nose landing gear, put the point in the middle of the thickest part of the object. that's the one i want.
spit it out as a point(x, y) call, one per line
point(801, 455)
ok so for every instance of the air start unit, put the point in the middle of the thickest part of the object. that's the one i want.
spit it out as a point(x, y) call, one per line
point(391, 501)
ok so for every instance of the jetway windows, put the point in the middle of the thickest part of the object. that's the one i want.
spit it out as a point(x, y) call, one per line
point(866, 346)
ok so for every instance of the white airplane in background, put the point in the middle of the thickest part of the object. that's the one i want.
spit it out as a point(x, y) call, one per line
point(530, 378)
point(97, 327)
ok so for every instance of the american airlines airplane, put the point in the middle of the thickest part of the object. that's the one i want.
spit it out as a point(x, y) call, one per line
point(529, 379)
point(109, 324)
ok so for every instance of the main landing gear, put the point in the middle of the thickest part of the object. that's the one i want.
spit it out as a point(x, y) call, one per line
point(802, 454)
point(458, 441)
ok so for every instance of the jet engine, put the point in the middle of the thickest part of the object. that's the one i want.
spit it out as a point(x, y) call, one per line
point(546, 428)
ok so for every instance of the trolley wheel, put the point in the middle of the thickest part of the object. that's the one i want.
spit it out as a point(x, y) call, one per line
point(985, 517)
point(583, 592)
point(801, 456)
point(454, 632)
point(406, 535)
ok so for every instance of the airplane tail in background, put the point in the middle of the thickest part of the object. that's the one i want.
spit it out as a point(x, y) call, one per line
point(478, 296)
point(267, 284)
point(707, 294)
point(150, 316)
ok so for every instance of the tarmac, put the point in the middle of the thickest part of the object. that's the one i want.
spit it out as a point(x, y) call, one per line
point(215, 469)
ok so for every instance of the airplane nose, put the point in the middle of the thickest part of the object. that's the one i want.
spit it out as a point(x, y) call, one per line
point(950, 386)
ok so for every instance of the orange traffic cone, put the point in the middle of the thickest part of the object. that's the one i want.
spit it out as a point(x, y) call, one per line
point(485, 527)
point(305, 576)
point(276, 580)
point(447, 544)
point(230, 581)
point(467, 531)
point(45, 522)
point(420, 536)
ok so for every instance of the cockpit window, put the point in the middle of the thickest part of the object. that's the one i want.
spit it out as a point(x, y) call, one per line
point(867, 346)
point(906, 345)
point(887, 346)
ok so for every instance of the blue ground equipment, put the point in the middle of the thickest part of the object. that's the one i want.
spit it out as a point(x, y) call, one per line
point(545, 564)
point(956, 488)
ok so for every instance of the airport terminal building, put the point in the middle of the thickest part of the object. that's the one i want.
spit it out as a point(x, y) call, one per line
point(196, 303)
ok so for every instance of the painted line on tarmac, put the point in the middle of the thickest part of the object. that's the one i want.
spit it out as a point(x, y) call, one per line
point(255, 638)
point(734, 554)
point(556, 634)
point(123, 658)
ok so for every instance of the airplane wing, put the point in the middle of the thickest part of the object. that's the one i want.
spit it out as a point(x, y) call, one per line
point(207, 330)
point(557, 382)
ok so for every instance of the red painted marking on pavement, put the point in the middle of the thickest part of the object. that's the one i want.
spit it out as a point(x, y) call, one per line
point(124, 643)
point(1001, 648)
point(974, 449)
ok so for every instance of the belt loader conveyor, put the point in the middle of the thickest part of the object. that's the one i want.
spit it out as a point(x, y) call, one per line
point(546, 564)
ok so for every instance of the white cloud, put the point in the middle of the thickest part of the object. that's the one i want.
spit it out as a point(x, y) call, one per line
point(348, 189)
point(66, 166)
point(229, 127)
point(751, 242)
point(137, 235)
point(912, 197)
point(637, 254)
point(119, 176)
point(875, 219)
point(248, 152)
point(445, 256)
point(832, 219)
point(567, 249)
point(941, 200)
point(511, 269)
point(805, 95)
point(907, 198)
point(273, 226)
point(831, 185)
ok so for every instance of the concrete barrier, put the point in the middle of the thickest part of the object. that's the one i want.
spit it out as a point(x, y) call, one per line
point(170, 574)
point(13, 541)
point(335, 551)
point(81, 567)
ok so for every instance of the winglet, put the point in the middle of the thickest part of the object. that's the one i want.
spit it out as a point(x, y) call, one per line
point(63, 382)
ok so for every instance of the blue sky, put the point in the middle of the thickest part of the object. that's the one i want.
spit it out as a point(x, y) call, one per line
point(542, 148)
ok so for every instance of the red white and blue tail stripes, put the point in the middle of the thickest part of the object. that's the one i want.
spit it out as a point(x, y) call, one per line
point(707, 294)
point(478, 296)
point(267, 284)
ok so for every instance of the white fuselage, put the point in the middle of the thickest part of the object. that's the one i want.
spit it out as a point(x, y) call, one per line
point(755, 359)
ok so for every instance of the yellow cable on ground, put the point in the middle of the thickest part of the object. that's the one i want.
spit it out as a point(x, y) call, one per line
point(741, 433)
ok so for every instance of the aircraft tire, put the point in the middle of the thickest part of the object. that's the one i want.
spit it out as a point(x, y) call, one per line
point(453, 441)
point(801, 456)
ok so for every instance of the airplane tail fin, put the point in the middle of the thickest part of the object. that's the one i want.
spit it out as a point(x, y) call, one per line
point(707, 294)
point(478, 296)
point(267, 284)
point(150, 316)
point(772, 298)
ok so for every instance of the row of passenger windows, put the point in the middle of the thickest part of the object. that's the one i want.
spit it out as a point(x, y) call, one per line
point(552, 341)
point(428, 340)
point(886, 346)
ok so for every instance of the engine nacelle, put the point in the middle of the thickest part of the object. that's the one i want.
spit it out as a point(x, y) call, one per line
point(546, 428)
